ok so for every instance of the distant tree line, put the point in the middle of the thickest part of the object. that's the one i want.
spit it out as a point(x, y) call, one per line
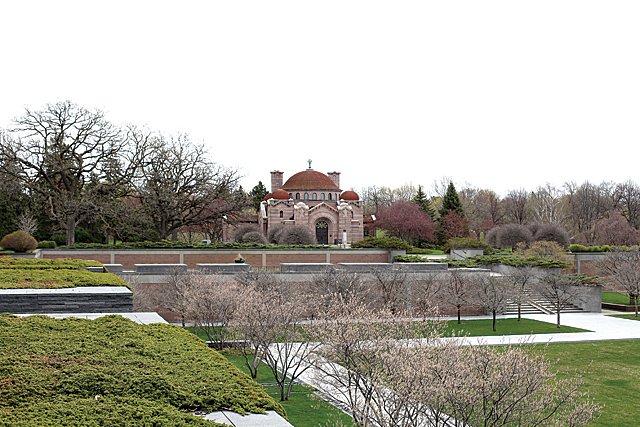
point(592, 214)
point(67, 170)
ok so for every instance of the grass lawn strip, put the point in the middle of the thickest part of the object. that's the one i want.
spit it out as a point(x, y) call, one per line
point(112, 371)
point(612, 378)
point(484, 327)
point(56, 264)
point(630, 316)
point(509, 326)
point(304, 408)
point(615, 298)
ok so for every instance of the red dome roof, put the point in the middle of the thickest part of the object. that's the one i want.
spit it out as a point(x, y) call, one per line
point(349, 195)
point(310, 180)
point(268, 196)
point(280, 195)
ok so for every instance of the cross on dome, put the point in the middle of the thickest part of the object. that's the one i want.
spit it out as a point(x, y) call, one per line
point(309, 161)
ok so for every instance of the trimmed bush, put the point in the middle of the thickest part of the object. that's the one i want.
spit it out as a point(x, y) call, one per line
point(46, 264)
point(463, 242)
point(381, 243)
point(15, 278)
point(274, 233)
point(254, 237)
point(238, 235)
point(47, 244)
point(297, 235)
point(491, 238)
point(552, 233)
point(510, 235)
point(18, 241)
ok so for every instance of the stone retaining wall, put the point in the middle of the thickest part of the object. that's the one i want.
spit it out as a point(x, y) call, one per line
point(95, 299)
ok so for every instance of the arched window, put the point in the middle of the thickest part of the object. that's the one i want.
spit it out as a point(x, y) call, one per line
point(282, 214)
point(351, 214)
point(322, 196)
point(290, 196)
point(329, 196)
point(314, 196)
point(306, 196)
point(297, 196)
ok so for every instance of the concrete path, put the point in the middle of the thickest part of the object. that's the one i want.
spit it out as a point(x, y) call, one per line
point(604, 327)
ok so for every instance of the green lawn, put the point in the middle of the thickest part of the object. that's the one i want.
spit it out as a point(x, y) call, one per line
point(630, 316)
point(613, 377)
point(510, 326)
point(303, 408)
point(484, 327)
point(615, 298)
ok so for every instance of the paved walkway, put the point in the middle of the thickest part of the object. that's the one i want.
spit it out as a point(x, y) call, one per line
point(604, 327)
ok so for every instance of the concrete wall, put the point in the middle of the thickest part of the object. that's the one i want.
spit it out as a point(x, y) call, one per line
point(265, 258)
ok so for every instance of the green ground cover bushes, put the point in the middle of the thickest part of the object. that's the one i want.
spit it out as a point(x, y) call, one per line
point(32, 273)
point(167, 244)
point(112, 371)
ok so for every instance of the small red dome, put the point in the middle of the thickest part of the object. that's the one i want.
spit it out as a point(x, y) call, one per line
point(349, 195)
point(280, 195)
point(267, 197)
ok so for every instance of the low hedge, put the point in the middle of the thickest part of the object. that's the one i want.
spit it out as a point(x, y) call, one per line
point(604, 248)
point(112, 371)
point(381, 243)
point(479, 261)
point(14, 278)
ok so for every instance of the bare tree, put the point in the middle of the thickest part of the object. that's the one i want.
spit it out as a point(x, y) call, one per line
point(391, 284)
point(559, 290)
point(27, 222)
point(520, 279)
point(67, 154)
point(622, 267)
point(457, 289)
point(516, 205)
point(385, 377)
point(493, 293)
point(546, 205)
point(626, 199)
point(588, 203)
point(182, 187)
point(510, 235)
point(212, 305)
point(279, 329)
point(349, 285)
point(424, 290)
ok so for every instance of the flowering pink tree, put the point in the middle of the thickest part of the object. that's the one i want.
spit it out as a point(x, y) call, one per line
point(407, 221)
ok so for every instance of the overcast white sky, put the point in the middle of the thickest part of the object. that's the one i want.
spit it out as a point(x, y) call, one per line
point(499, 94)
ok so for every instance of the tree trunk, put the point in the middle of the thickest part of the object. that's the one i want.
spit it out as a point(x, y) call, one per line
point(71, 230)
point(458, 315)
point(558, 314)
point(519, 307)
point(494, 321)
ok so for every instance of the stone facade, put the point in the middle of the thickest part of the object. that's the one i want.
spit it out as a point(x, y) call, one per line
point(313, 200)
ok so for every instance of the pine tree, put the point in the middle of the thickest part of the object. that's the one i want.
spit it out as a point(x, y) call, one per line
point(421, 200)
point(257, 195)
point(451, 202)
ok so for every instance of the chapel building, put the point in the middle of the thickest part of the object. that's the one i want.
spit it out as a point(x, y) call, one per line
point(313, 200)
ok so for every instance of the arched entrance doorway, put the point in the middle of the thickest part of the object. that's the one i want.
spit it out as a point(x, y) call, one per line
point(322, 233)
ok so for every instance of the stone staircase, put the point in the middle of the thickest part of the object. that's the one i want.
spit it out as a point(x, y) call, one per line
point(535, 304)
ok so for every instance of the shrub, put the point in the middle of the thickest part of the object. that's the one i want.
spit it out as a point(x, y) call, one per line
point(511, 234)
point(552, 233)
point(462, 242)
point(297, 235)
point(238, 235)
point(274, 233)
point(577, 248)
point(18, 241)
point(60, 239)
point(47, 244)
point(254, 237)
point(382, 243)
point(491, 238)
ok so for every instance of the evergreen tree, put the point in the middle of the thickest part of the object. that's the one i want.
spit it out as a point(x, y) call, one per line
point(451, 202)
point(422, 201)
point(257, 195)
